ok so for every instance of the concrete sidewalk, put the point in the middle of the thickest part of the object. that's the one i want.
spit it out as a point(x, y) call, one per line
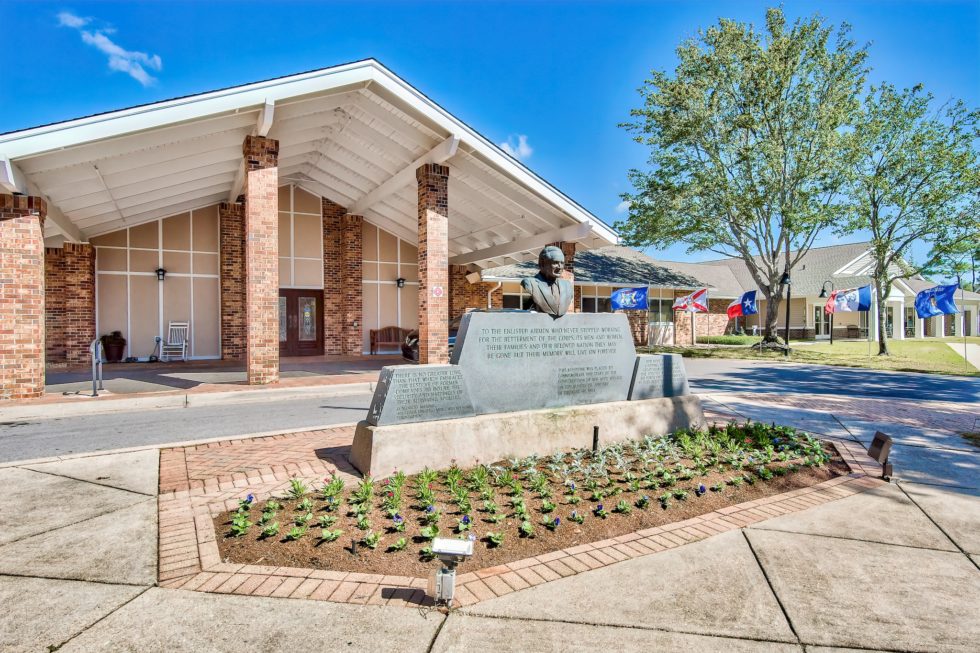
point(894, 569)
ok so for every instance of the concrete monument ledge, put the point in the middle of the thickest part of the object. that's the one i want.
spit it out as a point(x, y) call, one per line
point(520, 383)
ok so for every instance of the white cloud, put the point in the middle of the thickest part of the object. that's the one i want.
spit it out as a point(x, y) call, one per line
point(130, 62)
point(623, 207)
point(519, 150)
point(67, 19)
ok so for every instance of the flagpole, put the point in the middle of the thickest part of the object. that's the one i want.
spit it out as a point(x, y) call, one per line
point(966, 361)
point(694, 335)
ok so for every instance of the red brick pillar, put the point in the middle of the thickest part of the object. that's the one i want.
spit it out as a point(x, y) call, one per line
point(352, 284)
point(333, 283)
point(639, 326)
point(433, 180)
point(231, 221)
point(69, 304)
point(21, 296)
point(261, 259)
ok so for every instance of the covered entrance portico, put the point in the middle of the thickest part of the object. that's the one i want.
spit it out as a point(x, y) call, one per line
point(342, 197)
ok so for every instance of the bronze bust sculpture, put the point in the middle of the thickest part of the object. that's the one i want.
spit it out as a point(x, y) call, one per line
point(550, 293)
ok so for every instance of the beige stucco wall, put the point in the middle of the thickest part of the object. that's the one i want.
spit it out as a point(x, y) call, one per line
point(130, 299)
point(300, 239)
point(386, 259)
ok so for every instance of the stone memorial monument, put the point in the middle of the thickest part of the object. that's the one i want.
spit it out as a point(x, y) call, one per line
point(523, 382)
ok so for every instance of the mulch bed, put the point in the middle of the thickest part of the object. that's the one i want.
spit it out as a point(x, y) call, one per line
point(310, 552)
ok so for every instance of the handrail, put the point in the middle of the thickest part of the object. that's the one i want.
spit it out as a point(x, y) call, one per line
point(98, 353)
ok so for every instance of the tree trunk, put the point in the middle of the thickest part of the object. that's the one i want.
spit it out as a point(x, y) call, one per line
point(772, 314)
point(880, 317)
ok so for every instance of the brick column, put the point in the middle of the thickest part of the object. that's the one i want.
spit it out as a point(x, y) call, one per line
point(261, 259)
point(333, 283)
point(639, 326)
point(433, 182)
point(464, 295)
point(69, 304)
point(351, 282)
point(231, 220)
point(21, 296)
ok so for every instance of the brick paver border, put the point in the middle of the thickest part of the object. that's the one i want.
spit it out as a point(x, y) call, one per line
point(189, 557)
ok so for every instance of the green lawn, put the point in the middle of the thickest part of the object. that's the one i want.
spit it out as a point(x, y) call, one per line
point(906, 355)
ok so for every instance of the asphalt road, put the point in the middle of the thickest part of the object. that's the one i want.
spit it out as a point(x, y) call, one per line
point(39, 438)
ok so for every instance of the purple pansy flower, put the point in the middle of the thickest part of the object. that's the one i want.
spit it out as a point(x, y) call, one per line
point(430, 508)
point(250, 498)
point(466, 519)
point(701, 489)
point(557, 521)
point(599, 507)
point(397, 518)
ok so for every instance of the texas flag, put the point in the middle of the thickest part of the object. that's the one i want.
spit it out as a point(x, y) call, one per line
point(744, 306)
point(850, 300)
point(696, 302)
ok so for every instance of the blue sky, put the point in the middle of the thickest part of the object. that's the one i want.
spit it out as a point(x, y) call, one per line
point(561, 74)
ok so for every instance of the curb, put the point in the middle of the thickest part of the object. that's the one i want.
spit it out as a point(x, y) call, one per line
point(172, 445)
point(185, 400)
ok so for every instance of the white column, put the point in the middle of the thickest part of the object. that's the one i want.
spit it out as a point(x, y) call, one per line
point(959, 324)
point(898, 328)
point(920, 327)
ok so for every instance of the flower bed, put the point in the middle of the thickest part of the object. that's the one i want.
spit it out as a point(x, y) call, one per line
point(521, 508)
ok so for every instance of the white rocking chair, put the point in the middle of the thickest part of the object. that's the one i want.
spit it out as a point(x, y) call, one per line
point(175, 346)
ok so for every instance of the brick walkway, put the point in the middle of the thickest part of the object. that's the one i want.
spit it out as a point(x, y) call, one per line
point(198, 483)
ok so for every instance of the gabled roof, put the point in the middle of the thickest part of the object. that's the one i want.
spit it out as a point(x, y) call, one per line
point(818, 265)
point(343, 131)
point(611, 265)
point(617, 265)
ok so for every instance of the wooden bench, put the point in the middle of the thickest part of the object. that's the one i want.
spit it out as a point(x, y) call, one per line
point(387, 336)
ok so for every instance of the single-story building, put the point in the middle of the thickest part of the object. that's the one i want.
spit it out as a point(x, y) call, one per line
point(600, 271)
point(286, 217)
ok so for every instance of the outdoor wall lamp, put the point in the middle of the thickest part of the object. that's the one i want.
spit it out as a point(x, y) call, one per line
point(400, 282)
point(823, 295)
point(161, 273)
point(785, 281)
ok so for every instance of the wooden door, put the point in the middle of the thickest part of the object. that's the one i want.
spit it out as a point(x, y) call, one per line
point(300, 322)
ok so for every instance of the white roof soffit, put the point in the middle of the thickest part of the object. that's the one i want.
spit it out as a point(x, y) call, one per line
point(260, 98)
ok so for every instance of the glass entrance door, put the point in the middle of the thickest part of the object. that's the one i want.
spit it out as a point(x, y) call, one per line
point(821, 322)
point(300, 322)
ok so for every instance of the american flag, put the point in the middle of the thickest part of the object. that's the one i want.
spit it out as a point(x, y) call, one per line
point(696, 302)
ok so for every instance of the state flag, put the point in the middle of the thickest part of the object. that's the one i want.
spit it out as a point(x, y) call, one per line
point(745, 305)
point(696, 302)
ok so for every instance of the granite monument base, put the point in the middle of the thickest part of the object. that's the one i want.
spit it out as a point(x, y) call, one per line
point(380, 450)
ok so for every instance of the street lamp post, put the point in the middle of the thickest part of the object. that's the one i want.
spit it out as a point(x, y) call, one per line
point(785, 281)
point(823, 295)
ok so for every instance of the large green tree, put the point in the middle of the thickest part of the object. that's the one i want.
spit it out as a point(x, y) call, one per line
point(915, 179)
point(747, 144)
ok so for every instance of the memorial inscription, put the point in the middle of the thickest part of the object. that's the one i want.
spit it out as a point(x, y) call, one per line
point(416, 394)
point(524, 361)
point(659, 375)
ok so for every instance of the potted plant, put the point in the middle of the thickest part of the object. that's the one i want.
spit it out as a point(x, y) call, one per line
point(114, 346)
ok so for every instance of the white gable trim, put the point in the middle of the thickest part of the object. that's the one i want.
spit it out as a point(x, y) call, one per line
point(255, 97)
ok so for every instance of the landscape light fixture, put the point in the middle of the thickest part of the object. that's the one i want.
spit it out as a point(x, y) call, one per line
point(785, 281)
point(161, 273)
point(880, 447)
point(442, 586)
point(400, 282)
point(823, 295)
